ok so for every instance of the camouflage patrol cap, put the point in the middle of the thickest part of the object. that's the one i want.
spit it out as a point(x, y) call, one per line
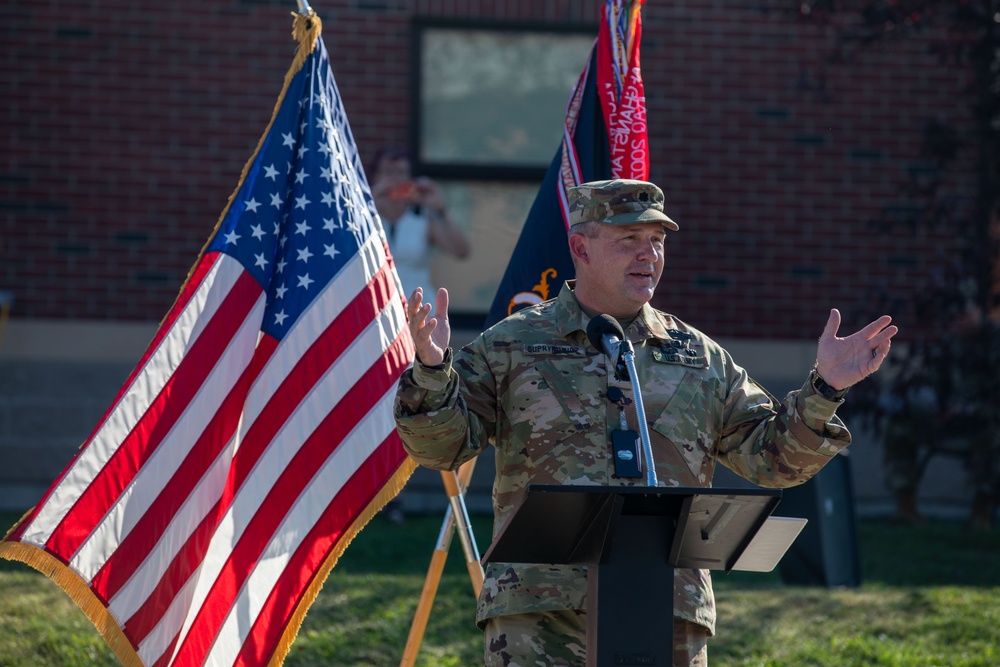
point(617, 202)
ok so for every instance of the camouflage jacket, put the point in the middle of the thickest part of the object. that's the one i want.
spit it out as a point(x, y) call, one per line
point(536, 389)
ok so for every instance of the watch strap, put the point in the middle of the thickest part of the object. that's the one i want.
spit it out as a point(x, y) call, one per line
point(824, 389)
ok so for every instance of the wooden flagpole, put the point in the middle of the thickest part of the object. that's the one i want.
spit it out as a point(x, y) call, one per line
point(455, 485)
point(464, 527)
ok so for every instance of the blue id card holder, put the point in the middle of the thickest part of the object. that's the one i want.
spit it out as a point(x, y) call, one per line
point(624, 441)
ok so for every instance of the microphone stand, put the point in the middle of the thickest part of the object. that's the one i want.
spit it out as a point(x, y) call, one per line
point(628, 353)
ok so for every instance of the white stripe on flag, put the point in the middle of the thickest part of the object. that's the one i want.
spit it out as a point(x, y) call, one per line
point(134, 403)
point(157, 471)
point(362, 442)
point(337, 295)
point(324, 396)
point(203, 497)
point(341, 291)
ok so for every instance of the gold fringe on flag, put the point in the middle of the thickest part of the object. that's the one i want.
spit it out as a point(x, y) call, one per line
point(111, 631)
point(388, 492)
point(79, 591)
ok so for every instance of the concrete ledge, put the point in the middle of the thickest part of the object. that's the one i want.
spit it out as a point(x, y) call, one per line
point(75, 340)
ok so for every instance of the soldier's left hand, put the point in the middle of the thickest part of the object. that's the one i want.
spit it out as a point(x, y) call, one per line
point(843, 362)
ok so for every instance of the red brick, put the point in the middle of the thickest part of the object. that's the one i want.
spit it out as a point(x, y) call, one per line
point(147, 122)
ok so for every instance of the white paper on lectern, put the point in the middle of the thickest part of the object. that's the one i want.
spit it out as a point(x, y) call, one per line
point(770, 544)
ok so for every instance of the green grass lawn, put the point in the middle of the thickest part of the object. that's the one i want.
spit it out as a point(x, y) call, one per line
point(930, 598)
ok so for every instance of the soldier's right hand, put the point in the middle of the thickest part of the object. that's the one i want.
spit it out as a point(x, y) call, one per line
point(431, 335)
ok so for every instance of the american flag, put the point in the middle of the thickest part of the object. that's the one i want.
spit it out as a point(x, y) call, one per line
point(255, 437)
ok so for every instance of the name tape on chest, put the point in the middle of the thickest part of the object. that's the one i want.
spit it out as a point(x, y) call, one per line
point(548, 349)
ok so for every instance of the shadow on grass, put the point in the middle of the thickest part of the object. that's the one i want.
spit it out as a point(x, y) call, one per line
point(386, 547)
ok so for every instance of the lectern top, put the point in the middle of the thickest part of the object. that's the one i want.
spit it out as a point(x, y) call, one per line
point(575, 524)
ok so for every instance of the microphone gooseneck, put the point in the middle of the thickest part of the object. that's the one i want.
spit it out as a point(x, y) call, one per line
point(604, 333)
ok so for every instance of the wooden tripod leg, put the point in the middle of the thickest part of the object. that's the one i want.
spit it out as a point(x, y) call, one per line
point(464, 527)
point(433, 578)
point(431, 581)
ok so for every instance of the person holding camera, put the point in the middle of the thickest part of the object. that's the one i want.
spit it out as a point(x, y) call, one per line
point(415, 217)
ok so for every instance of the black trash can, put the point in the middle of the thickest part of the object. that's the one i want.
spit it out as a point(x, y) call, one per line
point(826, 552)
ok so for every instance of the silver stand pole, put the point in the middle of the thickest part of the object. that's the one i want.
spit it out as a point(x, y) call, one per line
point(640, 413)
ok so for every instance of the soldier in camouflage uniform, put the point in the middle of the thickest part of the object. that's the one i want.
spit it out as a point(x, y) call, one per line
point(545, 398)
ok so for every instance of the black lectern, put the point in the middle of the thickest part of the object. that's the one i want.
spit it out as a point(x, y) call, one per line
point(632, 538)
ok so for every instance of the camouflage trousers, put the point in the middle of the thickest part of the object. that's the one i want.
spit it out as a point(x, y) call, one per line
point(559, 639)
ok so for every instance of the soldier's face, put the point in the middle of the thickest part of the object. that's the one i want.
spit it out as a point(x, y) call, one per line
point(623, 267)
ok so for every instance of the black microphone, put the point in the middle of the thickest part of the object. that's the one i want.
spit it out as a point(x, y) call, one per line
point(606, 334)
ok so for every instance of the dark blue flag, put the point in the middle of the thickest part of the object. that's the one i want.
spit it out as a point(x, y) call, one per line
point(608, 94)
point(540, 262)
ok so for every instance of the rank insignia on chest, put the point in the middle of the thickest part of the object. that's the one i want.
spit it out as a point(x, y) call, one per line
point(680, 348)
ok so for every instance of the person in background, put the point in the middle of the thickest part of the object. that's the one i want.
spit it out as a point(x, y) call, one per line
point(416, 221)
point(415, 218)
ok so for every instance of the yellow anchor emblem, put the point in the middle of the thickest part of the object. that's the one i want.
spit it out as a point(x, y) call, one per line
point(539, 293)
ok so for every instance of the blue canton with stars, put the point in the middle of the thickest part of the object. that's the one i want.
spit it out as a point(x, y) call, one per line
point(304, 207)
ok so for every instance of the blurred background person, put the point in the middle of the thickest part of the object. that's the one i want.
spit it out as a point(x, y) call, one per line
point(415, 218)
point(416, 221)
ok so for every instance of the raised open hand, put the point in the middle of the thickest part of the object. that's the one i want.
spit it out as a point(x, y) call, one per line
point(431, 335)
point(846, 361)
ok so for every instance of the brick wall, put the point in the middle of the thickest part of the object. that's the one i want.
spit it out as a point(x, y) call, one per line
point(125, 126)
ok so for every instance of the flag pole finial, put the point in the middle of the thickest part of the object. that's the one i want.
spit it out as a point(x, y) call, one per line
point(306, 29)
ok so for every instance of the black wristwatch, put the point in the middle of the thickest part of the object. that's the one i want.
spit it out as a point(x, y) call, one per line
point(825, 390)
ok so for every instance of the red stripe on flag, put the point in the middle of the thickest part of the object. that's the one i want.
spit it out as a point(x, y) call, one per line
point(198, 274)
point(281, 498)
point(309, 369)
point(322, 539)
point(187, 560)
point(133, 452)
point(134, 549)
